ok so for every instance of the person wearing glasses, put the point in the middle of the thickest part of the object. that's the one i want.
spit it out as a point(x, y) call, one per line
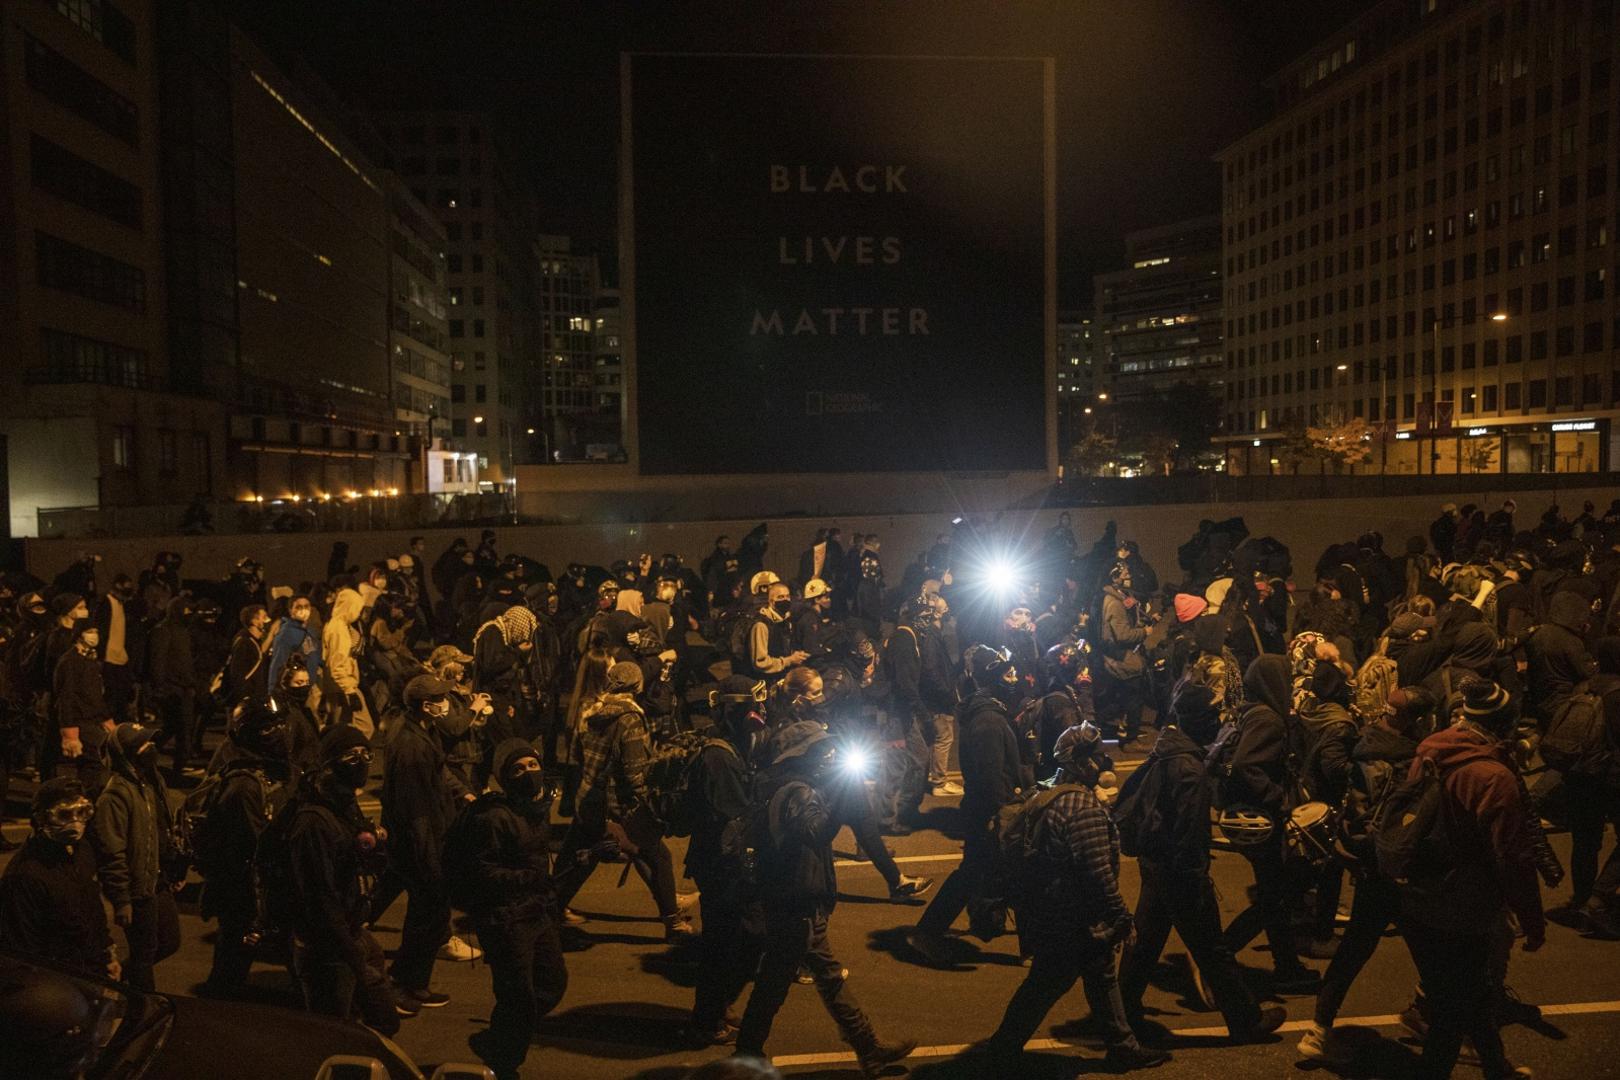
point(50, 904)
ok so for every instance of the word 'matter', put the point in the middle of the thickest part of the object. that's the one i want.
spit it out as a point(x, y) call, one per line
point(839, 251)
point(815, 180)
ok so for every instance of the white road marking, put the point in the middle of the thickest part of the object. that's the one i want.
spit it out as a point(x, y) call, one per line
point(1577, 1008)
point(948, 857)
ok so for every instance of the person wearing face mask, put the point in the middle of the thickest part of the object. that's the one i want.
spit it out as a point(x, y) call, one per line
point(1073, 918)
point(50, 904)
point(814, 627)
point(798, 696)
point(81, 710)
point(338, 963)
point(294, 637)
point(1122, 679)
point(501, 648)
point(658, 610)
point(770, 638)
point(291, 699)
point(246, 673)
point(420, 794)
point(503, 859)
point(131, 832)
point(257, 779)
point(992, 775)
point(171, 676)
point(340, 647)
point(732, 920)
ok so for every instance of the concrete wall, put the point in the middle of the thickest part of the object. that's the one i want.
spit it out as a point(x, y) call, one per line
point(1307, 527)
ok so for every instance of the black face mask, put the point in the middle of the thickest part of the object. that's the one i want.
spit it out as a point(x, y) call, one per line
point(271, 744)
point(782, 607)
point(1009, 694)
point(525, 788)
point(351, 773)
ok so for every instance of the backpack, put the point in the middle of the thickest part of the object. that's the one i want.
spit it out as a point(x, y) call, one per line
point(273, 888)
point(1218, 762)
point(194, 840)
point(670, 774)
point(1136, 811)
point(761, 835)
point(1371, 690)
point(1413, 845)
point(1366, 804)
point(1017, 831)
point(1576, 742)
point(738, 628)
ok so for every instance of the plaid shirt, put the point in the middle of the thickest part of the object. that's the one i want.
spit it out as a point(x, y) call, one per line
point(1078, 842)
point(614, 751)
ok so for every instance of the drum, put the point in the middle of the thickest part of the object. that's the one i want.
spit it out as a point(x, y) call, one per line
point(1310, 831)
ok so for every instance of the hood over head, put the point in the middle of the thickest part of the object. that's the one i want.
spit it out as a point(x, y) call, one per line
point(1569, 610)
point(1474, 647)
point(1267, 682)
point(346, 606)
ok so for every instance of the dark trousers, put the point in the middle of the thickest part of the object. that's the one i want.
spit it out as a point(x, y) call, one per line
point(1376, 907)
point(178, 711)
point(233, 958)
point(1593, 808)
point(1119, 703)
point(966, 883)
point(1053, 971)
point(731, 947)
point(793, 942)
point(652, 860)
point(426, 929)
point(118, 687)
point(1187, 905)
point(333, 987)
point(528, 976)
point(153, 934)
point(1275, 896)
point(1454, 969)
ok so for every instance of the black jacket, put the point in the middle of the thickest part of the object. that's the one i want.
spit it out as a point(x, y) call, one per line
point(723, 786)
point(80, 701)
point(326, 869)
point(510, 863)
point(992, 771)
point(252, 790)
point(1557, 655)
point(248, 668)
point(419, 798)
point(1179, 847)
point(1260, 773)
point(50, 906)
point(170, 667)
point(796, 874)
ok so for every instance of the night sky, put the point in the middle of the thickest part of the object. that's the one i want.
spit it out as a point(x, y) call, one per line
point(1147, 90)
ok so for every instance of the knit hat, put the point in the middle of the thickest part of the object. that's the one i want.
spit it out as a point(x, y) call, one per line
point(339, 739)
point(624, 678)
point(1487, 705)
point(511, 750)
point(1328, 683)
point(62, 603)
point(1189, 607)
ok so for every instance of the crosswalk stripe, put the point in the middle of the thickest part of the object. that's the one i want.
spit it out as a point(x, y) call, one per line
point(1575, 1008)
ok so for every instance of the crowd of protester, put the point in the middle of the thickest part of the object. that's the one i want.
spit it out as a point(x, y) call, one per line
point(1399, 723)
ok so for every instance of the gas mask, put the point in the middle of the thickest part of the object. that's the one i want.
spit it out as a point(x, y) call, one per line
point(65, 822)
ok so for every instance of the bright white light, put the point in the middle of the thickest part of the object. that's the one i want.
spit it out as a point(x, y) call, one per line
point(1001, 576)
point(855, 760)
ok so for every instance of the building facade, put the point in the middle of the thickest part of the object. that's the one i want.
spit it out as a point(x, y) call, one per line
point(453, 166)
point(567, 393)
point(418, 320)
point(1160, 319)
point(92, 413)
point(608, 375)
point(1421, 241)
point(1080, 374)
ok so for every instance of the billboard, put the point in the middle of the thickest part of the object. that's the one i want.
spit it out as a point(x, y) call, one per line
point(838, 263)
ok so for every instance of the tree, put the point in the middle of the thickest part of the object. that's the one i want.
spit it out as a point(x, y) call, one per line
point(1158, 453)
point(1347, 442)
point(1479, 455)
point(1088, 456)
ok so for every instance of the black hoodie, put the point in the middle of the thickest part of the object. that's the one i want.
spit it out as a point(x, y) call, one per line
point(1557, 654)
point(1179, 847)
point(1260, 761)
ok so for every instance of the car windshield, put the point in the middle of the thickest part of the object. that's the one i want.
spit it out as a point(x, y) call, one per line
point(121, 1028)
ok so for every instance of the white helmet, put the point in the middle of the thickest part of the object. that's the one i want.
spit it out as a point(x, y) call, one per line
point(762, 581)
point(1245, 826)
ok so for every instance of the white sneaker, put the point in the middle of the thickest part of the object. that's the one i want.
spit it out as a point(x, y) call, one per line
point(1318, 1044)
point(457, 949)
point(947, 788)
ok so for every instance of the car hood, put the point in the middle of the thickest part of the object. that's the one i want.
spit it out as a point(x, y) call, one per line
point(265, 1041)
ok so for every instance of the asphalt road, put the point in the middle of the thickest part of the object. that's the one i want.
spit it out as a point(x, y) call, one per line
point(628, 993)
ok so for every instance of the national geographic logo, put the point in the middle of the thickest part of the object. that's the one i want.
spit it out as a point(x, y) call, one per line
point(839, 403)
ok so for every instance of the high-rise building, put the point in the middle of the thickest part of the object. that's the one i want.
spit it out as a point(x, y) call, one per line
point(1079, 374)
point(1420, 239)
point(92, 413)
point(418, 317)
point(1160, 319)
point(314, 411)
point(566, 394)
point(608, 370)
point(453, 166)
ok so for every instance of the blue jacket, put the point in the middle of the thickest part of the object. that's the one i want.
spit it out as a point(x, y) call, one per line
point(293, 636)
